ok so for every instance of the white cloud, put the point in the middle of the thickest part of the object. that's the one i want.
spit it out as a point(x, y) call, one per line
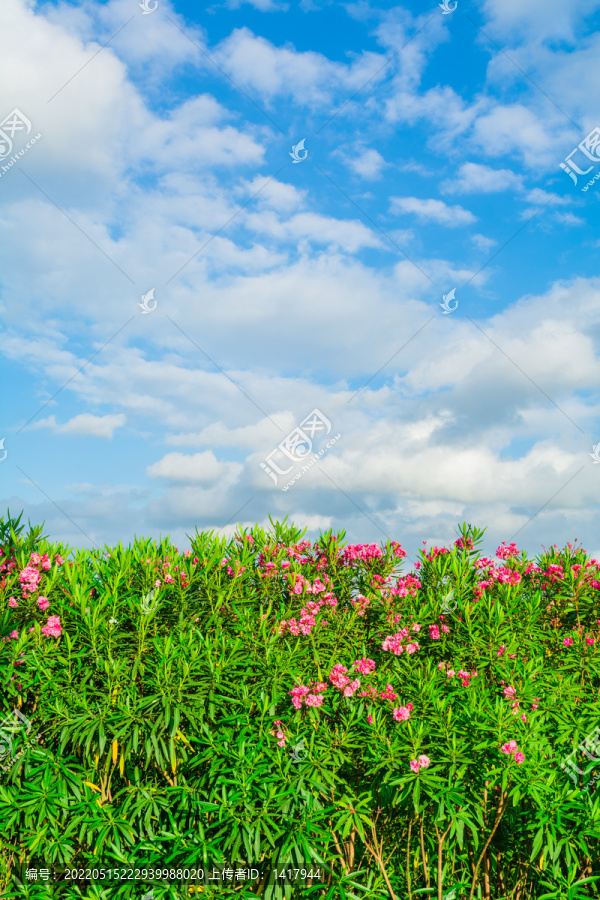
point(568, 218)
point(482, 242)
point(369, 164)
point(199, 468)
point(537, 20)
point(432, 211)
point(261, 5)
point(475, 178)
point(309, 77)
point(84, 424)
point(540, 197)
point(516, 129)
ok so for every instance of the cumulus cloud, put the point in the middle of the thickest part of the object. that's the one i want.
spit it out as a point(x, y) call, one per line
point(85, 424)
point(432, 211)
point(475, 178)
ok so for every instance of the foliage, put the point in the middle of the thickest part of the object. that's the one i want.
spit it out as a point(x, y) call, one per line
point(267, 702)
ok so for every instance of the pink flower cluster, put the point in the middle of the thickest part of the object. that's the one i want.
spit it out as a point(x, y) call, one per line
point(500, 576)
point(13, 636)
point(360, 604)
point(311, 696)
point(510, 692)
point(230, 571)
point(422, 762)
point(504, 552)
point(339, 679)
point(362, 552)
point(397, 551)
point(467, 544)
point(52, 628)
point(364, 666)
point(394, 643)
point(279, 733)
point(462, 673)
point(512, 748)
point(402, 713)
point(405, 586)
point(308, 614)
point(371, 692)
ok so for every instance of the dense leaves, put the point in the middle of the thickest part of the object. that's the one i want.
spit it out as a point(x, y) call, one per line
point(267, 703)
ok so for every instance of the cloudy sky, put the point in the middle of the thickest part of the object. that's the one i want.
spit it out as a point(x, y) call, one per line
point(294, 188)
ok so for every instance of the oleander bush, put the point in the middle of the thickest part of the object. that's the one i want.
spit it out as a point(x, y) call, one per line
point(269, 703)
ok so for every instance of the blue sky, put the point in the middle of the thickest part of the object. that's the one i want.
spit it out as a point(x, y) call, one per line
point(430, 166)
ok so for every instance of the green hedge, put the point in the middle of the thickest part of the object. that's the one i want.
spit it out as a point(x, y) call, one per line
point(191, 711)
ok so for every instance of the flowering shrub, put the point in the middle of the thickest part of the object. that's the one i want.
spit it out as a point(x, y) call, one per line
point(303, 705)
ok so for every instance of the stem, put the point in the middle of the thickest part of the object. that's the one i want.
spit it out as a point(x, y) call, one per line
point(440, 845)
point(408, 861)
point(376, 850)
point(337, 847)
point(425, 868)
point(499, 813)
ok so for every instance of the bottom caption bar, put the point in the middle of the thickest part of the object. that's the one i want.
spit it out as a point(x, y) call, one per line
point(213, 875)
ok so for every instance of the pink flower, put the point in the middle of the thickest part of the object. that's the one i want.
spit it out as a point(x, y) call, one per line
point(504, 552)
point(434, 632)
point(519, 758)
point(510, 692)
point(349, 689)
point(410, 648)
point(314, 700)
point(14, 635)
point(450, 673)
point(589, 640)
point(416, 764)
point(402, 713)
point(30, 579)
point(58, 559)
point(445, 629)
point(12, 602)
point(567, 642)
point(416, 627)
point(370, 719)
point(53, 627)
point(501, 650)
point(364, 666)
point(43, 602)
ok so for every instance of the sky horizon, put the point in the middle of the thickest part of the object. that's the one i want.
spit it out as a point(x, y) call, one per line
point(336, 262)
